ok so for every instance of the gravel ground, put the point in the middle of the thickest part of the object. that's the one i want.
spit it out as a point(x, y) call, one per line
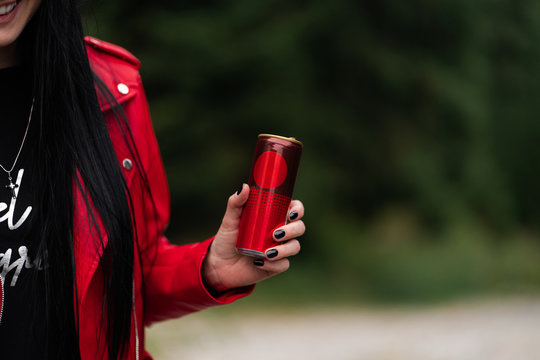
point(480, 330)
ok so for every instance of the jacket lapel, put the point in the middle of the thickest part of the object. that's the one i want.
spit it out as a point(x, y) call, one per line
point(89, 240)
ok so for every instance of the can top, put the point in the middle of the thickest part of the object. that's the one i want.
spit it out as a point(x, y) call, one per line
point(291, 139)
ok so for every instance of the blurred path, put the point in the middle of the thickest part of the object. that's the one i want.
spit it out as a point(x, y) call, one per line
point(494, 330)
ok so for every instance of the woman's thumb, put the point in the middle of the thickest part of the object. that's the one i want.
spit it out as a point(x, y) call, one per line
point(231, 219)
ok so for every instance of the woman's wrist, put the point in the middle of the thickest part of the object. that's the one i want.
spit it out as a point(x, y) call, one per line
point(210, 275)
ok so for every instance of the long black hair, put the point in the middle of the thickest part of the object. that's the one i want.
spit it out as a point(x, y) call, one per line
point(74, 151)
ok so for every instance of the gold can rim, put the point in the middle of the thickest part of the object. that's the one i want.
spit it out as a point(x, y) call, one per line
point(291, 139)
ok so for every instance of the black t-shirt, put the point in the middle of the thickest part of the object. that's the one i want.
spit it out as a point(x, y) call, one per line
point(22, 322)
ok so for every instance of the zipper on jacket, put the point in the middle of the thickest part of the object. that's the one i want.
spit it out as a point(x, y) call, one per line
point(2, 303)
point(134, 322)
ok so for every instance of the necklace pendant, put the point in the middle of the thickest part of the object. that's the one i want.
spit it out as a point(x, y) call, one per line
point(12, 187)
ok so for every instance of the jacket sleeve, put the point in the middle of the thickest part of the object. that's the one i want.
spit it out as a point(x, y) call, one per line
point(172, 283)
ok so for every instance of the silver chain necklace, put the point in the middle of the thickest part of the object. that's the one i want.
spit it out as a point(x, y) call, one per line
point(11, 185)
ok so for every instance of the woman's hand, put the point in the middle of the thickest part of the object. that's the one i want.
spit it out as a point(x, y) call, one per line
point(225, 269)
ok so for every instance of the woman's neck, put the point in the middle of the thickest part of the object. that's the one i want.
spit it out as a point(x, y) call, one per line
point(8, 56)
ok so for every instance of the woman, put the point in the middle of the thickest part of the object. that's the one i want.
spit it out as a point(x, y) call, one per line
point(84, 263)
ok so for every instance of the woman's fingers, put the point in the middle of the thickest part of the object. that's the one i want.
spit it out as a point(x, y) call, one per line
point(276, 257)
point(289, 231)
point(272, 267)
point(235, 204)
point(290, 248)
point(296, 210)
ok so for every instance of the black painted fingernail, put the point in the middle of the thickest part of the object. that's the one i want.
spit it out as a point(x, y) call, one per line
point(272, 253)
point(278, 234)
point(293, 215)
point(240, 190)
point(258, 262)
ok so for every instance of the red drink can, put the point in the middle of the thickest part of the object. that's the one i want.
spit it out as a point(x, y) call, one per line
point(271, 183)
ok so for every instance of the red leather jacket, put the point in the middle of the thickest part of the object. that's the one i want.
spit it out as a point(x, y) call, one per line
point(172, 274)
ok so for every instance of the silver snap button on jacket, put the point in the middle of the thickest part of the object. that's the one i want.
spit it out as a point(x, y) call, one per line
point(127, 164)
point(122, 88)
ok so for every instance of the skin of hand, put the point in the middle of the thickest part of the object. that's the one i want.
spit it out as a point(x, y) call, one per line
point(225, 269)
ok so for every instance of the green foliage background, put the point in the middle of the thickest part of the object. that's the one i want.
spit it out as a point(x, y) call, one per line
point(419, 120)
